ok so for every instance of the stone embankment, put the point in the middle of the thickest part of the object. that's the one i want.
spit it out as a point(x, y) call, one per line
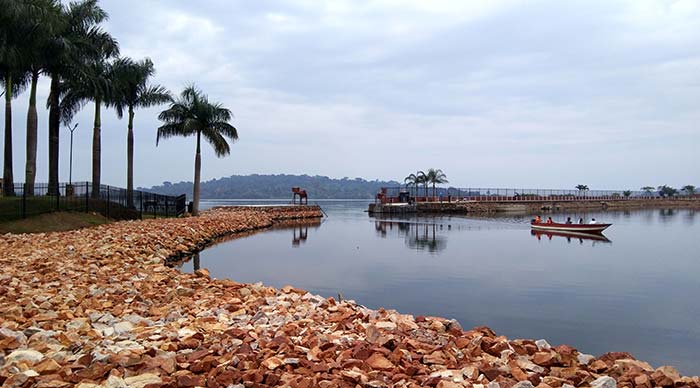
point(531, 206)
point(98, 308)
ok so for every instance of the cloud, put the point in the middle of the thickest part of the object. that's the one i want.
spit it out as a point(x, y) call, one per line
point(488, 91)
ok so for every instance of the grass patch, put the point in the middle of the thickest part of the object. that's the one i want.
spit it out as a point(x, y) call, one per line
point(53, 222)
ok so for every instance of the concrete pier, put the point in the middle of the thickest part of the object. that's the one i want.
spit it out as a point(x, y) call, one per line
point(521, 206)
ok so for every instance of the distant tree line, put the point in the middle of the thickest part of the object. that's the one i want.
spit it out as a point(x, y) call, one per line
point(662, 191)
point(277, 186)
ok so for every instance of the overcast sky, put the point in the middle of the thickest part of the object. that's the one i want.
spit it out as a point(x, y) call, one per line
point(495, 93)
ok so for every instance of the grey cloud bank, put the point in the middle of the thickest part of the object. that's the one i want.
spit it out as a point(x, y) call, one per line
point(499, 93)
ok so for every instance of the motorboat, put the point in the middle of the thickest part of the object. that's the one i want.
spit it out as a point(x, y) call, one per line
point(580, 228)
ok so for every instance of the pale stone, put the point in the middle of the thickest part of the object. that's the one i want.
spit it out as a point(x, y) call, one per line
point(543, 344)
point(115, 382)
point(123, 327)
point(142, 380)
point(585, 359)
point(604, 382)
point(25, 355)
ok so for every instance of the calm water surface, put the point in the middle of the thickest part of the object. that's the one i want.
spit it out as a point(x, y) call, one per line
point(635, 291)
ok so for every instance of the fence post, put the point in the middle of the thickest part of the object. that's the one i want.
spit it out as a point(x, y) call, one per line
point(166, 206)
point(141, 206)
point(58, 194)
point(24, 200)
point(107, 204)
point(87, 197)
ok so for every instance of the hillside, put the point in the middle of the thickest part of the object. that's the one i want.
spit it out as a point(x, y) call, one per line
point(277, 186)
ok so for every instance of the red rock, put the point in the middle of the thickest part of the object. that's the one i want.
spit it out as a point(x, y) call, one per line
point(272, 363)
point(378, 361)
point(189, 380)
point(642, 381)
point(202, 273)
point(544, 358)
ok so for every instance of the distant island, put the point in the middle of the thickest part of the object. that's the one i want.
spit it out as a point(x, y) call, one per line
point(276, 186)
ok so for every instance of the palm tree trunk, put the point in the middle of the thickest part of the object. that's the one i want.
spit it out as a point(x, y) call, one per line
point(54, 131)
point(433, 190)
point(96, 151)
point(32, 137)
point(7, 179)
point(130, 160)
point(197, 171)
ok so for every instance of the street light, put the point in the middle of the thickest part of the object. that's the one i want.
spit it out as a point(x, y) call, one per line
point(70, 168)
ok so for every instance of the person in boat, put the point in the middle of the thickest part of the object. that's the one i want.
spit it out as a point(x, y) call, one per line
point(568, 220)
point(538, 219)
point(593, 221)
point(580, 221)
point(549, 220)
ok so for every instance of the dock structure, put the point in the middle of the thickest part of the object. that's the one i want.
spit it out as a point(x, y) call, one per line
point(409, 200)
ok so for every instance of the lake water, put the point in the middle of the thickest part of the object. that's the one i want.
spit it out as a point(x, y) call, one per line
point(637, 290)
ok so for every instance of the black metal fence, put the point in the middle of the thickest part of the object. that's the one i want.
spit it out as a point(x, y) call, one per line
point(112, 202)
point(422, 194)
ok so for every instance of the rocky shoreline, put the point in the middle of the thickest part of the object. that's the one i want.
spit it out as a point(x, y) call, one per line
point(98, 307)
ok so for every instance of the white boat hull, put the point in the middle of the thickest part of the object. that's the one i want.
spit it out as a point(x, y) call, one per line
point(586, 228)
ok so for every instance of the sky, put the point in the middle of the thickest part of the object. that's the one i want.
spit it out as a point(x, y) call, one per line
point(500, 93)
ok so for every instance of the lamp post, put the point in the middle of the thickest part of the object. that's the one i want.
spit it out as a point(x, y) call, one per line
point(70, 168)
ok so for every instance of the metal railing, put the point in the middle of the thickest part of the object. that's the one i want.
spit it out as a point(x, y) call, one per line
point(428, 194)
point(112, 202)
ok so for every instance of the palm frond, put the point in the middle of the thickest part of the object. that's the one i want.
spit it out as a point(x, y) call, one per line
point(221, 147)
point(166, 131)
point(153, 95)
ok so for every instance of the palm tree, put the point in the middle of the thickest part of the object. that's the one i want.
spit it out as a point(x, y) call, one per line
point(422, 179)
point(94, 83)
point(193, 114)
point(133, 91)
point(12, 75)
point(582, 188)
point(411, 179)
point(13, 83)
point(436, 176)
point(44, 19)
point(74, 45)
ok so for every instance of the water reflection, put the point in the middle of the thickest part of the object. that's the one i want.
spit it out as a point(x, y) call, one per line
point(667, 215)
point(572, 236)
point(300, 229)
point(195, 261)
point(423, 236)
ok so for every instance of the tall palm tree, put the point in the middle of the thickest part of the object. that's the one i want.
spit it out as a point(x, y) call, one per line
point(13, 82)
point(412, 179)
point(134, 91)
point(12, 74)
point(193, 114)
point(75, 44)
point(423, 180)
point(582, 188)
point(94, 83)
point(436, 176)
point(43, 18)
